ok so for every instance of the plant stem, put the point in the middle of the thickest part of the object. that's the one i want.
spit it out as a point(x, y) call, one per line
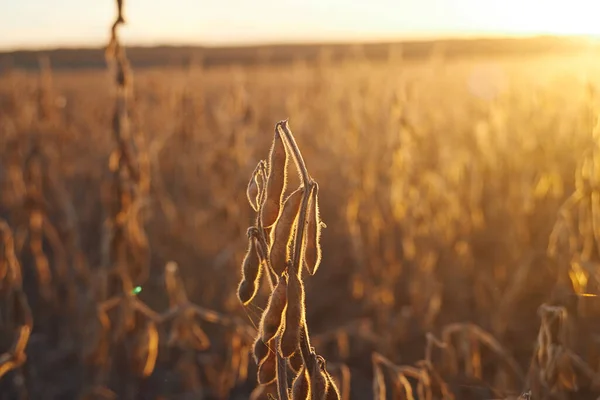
point(283, 129)
point(282, 384)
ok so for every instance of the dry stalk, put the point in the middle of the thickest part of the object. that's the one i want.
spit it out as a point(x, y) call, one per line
point(575, 239)
point(430, 382)
point(470, 332)
point(187, 334)
point(279, 242)
point(15, 314)
point(182, 307)
point(126, 245)
point(36, 206)
point(555, 369)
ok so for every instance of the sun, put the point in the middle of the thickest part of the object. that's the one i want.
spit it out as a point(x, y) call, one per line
point(552, 17)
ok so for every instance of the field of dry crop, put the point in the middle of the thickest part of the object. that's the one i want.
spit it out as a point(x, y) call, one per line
point(460, 257)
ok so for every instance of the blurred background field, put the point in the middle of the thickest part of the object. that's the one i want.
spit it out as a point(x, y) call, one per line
point(442, 167)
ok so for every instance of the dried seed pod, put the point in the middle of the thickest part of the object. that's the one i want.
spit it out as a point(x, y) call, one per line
point(318, 383)
point(259, 350)
point(267, 369)
point(254, 187)
point(246, 291)
point(252, 192)
point(278, 160)
point(294, 316)
point(295, 362)
point(283, 232)
point(251, 270)
point(272, 316)
point(301, 386)
point(333, 393)
point(312, 243)
point(342, 381)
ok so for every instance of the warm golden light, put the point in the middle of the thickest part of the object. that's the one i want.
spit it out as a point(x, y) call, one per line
point(577, 17)
point(72, 22)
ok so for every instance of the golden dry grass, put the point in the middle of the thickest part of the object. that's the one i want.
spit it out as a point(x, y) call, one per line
point(440, 183)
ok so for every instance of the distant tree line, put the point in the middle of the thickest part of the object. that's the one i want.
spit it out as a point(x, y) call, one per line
point(177, 56)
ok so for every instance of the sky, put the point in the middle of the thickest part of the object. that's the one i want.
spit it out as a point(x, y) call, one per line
point(72, 23)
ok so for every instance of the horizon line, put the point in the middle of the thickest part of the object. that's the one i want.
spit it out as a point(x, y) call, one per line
point(298, 42)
